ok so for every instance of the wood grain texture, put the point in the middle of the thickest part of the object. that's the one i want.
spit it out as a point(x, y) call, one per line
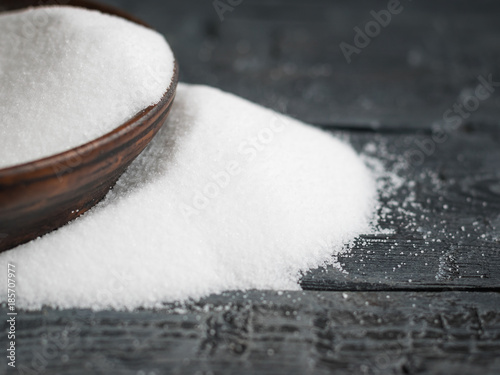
point(372, 320)
point(271, 333)
point(40, 196)
point(445, 218)
point(421, 300)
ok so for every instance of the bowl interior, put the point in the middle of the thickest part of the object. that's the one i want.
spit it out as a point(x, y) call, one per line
point(40, 196)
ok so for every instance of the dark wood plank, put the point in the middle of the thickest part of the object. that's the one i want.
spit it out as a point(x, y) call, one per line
point(285, 55)
point(271, 333)
point(287, 52)
point(448, 235)
point(466, 166)
point(452, 239)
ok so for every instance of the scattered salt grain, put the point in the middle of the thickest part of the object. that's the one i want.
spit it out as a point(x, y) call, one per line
point(228, 196)
point(70, 75)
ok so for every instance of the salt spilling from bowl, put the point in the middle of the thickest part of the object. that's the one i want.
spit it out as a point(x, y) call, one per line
point(228, 195)
point(70, 75)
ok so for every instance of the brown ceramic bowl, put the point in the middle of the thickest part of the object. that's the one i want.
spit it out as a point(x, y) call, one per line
point(40, 196)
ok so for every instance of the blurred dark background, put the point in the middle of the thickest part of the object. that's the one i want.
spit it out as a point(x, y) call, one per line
point(422, 298)
point(287, 55)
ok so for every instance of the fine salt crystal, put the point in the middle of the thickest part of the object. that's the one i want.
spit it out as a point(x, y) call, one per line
point(70, 75)
point(228, 196)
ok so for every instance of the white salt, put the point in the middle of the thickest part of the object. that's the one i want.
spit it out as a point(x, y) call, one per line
point(70, 75)
point(229, 195)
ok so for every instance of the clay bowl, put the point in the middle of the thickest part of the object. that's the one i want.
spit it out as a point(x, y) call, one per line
point(40, 196)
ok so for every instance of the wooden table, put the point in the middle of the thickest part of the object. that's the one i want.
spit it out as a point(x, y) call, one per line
point(424, 299)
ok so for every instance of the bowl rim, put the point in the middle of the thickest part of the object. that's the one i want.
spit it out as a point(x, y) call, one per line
point(20, 172)
point(86, 148)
